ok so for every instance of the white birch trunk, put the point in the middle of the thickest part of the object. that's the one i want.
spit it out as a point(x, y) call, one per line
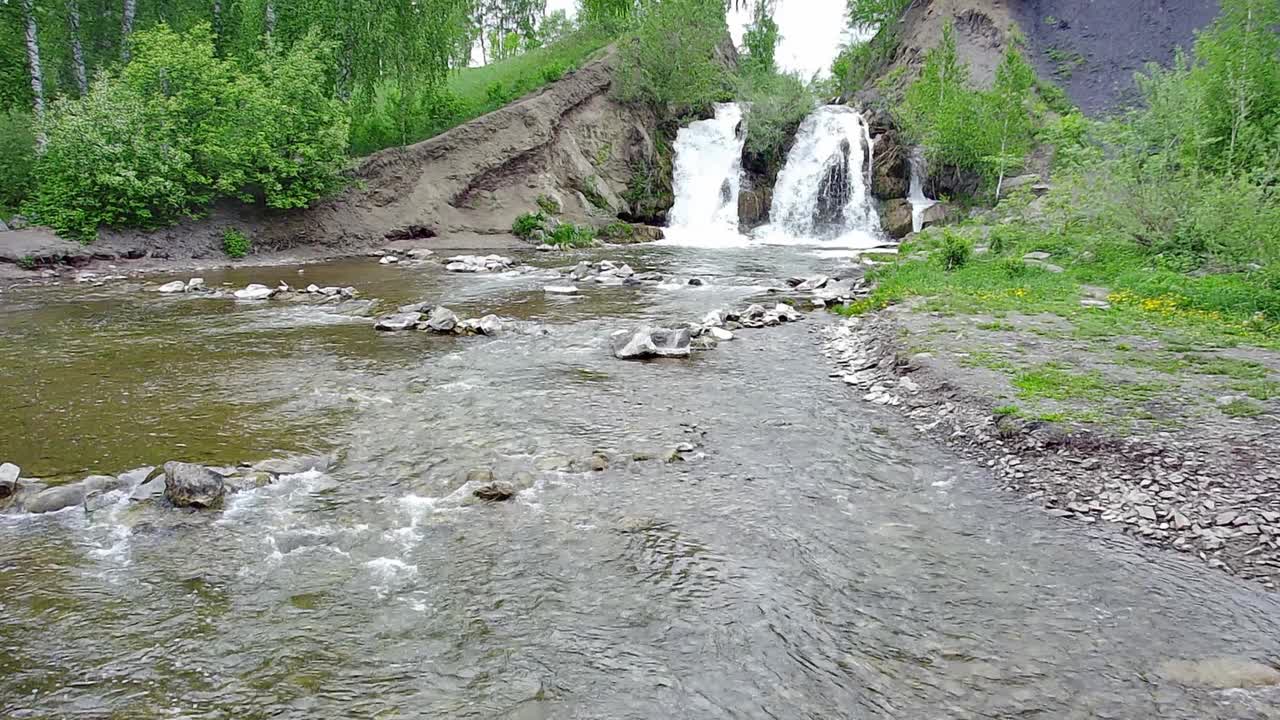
point(37, 74)
point(77, 48)
point(126, 27)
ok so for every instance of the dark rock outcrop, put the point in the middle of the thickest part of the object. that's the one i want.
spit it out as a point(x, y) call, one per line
point(195, 486)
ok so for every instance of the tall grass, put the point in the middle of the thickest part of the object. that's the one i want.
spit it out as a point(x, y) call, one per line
point(472, 92)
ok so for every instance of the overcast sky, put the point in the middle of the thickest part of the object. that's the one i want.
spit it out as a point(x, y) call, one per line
point(812, 31)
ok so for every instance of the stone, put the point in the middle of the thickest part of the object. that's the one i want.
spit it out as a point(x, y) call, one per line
point(9, 474)
point(1146, 512)
point(442, 320)
point(57, 498)
point(399, 321)
point(1180, 521)
point(419, 307)
point(1225, 518)
point(1047, 267)
point(495, 491)
point(150, 490)
point(598, 463)
point(1037, 256)
point(896, 218)
point(713, 319)
point(650, 342)
point(194, 486)
point(255, 292)
point(561, 290)
point(720, 334)
point(695, 282)
point(389, 260)
point(294, 465)
point(490, 325)
point(786, 313)
point(169, 288)
point(195, 285)
point(480, 475)
point(420, 253)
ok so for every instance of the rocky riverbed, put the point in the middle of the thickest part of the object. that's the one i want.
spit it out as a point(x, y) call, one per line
point(523, 524)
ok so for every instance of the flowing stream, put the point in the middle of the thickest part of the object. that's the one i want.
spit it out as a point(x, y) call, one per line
point(919, 167)
point(812, 558)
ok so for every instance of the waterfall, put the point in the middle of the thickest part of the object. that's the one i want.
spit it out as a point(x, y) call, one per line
point(707, 178)
point(823, 192)
point(915, 196)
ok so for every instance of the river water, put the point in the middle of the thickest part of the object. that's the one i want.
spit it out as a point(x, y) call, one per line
point(812, 558)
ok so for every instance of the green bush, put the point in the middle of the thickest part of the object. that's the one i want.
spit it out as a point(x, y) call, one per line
point(527, 224)
point(235, 244)
point(17, 159)
point(549, 205)
point(779, 103)
point(570, 235)
point(955, 251)
point(179, 126)
point(670, 60)
point(618, 230)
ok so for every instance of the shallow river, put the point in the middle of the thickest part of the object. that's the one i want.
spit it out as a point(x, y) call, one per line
point(811, 559)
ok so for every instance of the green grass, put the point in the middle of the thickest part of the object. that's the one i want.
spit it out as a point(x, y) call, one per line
point(472, 92)
point(1055, 381)
point(1240, 408)
point(1258, 389)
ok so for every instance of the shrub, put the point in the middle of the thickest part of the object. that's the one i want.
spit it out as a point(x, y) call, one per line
point(549, 205)
point(17, 158)
point(955, 251)
point(235, 244)
point(779, 103)
point(671, 59)
point(526, 224)
point(179, 126)
point(570, 235)
point(618, 230)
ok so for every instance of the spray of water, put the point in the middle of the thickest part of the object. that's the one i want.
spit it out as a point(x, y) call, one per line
point(707, 180)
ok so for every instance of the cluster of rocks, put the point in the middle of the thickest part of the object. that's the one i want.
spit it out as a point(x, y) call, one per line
point(479, 263)
point(440, 319)
point(174, 484)
point(824, 290)
point(254, 291)
point(484, 484)
point(387, 257)
point(647, 341)
point(1173, 490)
point(610, 273)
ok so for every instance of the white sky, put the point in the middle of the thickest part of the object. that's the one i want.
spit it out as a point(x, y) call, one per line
point(812, 31)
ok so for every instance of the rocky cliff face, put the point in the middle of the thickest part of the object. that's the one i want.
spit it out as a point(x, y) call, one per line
point(570, 141)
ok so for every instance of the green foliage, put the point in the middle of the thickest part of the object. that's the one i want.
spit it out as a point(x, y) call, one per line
point(570, 235)
point(17, 159)
point(527, 224)
point(179, 127)
point(670, 60)
point(956, 250)
point(987, 132)
point(609, 15)
point(761, 40)
point(858, 63)
point(549, 205)
point(1241, 408)
point(874, 13)
point(235, 244)
point(618, 230)
point(779, 103)
point(26, 262)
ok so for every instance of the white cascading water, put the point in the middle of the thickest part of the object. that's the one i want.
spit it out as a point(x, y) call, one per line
point(823, 192)
point(707, 179)
point(915, 194)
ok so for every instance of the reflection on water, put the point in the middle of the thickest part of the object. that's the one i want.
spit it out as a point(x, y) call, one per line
point(810, 558)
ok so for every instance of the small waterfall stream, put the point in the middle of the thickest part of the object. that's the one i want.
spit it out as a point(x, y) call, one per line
point(707, 179)
point(823, 192)
point(915, 195)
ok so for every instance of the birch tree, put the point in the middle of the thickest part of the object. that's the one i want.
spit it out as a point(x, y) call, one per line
point(77, 48)
point(37, 74)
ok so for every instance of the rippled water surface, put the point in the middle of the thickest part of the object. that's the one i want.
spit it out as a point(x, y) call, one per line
point(811, 559)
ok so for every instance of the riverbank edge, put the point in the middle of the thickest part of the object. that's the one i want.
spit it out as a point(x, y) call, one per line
point(1171, 490)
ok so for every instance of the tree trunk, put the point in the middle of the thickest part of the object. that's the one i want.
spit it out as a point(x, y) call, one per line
point(37, 75)
point(217, 21)
point(126, 27)
point(270, 21)
point(77, 49)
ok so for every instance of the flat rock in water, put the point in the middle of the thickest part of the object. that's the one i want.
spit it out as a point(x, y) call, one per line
point(190, 485)
point(560, 290)
point(389, 260)
point(169, 288)
point(255, 292)
point(57, 498)
point(399, 321)
point(721, 334)
point(651, 342)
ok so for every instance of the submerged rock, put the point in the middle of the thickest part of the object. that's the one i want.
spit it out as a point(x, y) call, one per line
point(495, 491)
point(651, 342)
point(398, 322)
point(64, 496)
point(189, 485)
point(478, 263)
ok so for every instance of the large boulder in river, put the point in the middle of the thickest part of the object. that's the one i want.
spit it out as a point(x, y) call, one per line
point(190, 485)
point(651, 342)
point(896, 218)
point(442, 320)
